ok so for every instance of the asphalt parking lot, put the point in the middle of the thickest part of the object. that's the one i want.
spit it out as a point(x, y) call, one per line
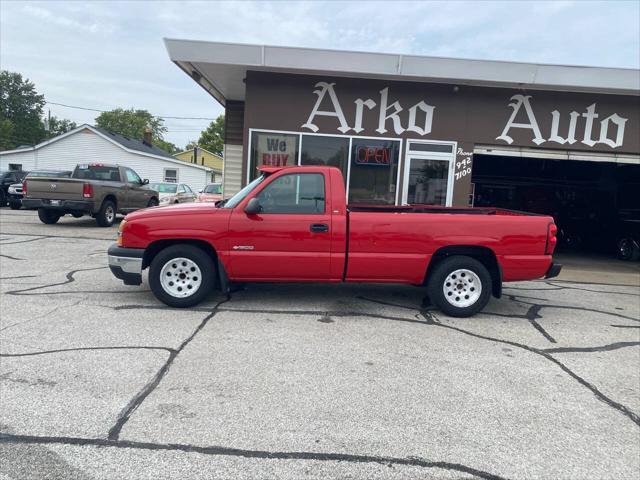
point(99, 380)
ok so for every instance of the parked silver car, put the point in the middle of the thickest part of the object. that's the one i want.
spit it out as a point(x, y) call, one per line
point(173, 192)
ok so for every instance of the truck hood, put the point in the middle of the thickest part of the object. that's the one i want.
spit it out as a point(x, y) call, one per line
point(173, 210)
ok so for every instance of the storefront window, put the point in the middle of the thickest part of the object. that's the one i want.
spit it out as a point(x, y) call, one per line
point(325, 150)
point(273, 150)
point(374, 171)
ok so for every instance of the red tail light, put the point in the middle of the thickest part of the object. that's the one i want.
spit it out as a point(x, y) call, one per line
point(87, 190)
point(552, 239)
point(24, 188)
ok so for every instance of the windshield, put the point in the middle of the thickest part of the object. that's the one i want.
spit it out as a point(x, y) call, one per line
point(238, 197)
point(216, 188)
point(164, 187)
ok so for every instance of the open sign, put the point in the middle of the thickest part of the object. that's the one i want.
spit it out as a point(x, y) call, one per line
point(380, 156)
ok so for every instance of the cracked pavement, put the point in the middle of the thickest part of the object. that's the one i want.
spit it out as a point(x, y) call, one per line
point(99, 380)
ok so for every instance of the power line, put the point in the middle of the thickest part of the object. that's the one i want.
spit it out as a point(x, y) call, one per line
point(101, 111)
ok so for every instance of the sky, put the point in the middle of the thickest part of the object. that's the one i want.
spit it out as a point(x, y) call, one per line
point(108, 54)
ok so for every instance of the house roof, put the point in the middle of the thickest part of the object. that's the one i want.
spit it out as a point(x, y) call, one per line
point(220, 68)
point(133, 146)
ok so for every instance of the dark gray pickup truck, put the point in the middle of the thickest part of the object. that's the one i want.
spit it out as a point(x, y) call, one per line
point(98, 190)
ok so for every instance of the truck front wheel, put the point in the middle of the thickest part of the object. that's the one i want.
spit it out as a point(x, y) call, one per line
point(460, 286)
point(48, 216)
point(182, 275)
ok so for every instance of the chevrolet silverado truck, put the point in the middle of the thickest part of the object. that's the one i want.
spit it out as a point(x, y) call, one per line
point(93, 189)
point(292, 224)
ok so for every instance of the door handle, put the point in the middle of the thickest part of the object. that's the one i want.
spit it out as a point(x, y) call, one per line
point(319, 227)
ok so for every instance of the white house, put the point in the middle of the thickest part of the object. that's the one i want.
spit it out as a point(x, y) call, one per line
point(89, 144)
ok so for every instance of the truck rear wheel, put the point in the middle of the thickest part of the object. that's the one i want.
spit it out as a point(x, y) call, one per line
point(182, 275)
point(107, 214)
point(48, 216)
point(460, 286)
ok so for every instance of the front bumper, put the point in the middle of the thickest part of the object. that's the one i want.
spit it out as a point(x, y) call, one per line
point(126, 264)
point(63, 205)
point(554, 270)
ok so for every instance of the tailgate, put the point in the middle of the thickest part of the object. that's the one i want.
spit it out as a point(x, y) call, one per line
point(55, 188)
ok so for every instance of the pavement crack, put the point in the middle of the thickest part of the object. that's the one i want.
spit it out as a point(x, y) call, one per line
point(70, 279)
point(82, 349)
point(571, 287)
point(137, 400)
point(19, 276)
point(40, 237)
point(603, 348)
point(634, 417)
point(245, 453)
point(24, 241)
point(38, 317)
point(9, 256)
point(531, 315)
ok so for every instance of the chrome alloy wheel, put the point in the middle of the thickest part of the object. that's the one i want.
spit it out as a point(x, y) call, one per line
point(180, 277)
point(110, 214)
point(462, 288)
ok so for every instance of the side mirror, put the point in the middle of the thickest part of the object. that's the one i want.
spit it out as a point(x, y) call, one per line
point(145, 181)
point(253, 207)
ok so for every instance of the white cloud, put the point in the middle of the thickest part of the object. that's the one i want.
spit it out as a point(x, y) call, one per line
point(108, 54)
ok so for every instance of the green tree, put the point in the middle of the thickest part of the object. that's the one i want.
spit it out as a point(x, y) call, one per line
point(20, 111)
point(6, 135)
point(58, 126)
point(131, 123)
point(212, 138)
point(166, 146)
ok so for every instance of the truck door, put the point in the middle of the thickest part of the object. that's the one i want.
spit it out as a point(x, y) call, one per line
point(137, 196)
point(290, 238)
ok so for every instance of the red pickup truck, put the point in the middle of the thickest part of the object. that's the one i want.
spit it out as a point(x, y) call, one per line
point(292, 224)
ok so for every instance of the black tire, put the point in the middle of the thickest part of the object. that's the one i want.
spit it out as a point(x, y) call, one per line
point(15, 205)
point(3, 198)
point(438, 278)
point(48, 216)
point(153, 202)
point(77, 214)
point(107, 214)
point(196, 255)
point(628, 249)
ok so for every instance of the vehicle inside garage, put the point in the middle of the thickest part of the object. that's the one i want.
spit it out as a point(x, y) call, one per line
point(595, 204)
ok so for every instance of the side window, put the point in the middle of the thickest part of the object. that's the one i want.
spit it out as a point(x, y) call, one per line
point(171, 175)
point(187, 189)
point(132, 177)
point(295, 193)
point(181, 188)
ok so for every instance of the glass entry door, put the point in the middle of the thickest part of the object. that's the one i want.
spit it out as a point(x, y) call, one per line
point(428, 176)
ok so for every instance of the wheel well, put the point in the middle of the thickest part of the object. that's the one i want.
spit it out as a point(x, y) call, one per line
point(154, 248)
point(483, 254)
point(112, 198)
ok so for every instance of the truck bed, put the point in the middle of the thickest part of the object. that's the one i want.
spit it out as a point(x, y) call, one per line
point(436, 209)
